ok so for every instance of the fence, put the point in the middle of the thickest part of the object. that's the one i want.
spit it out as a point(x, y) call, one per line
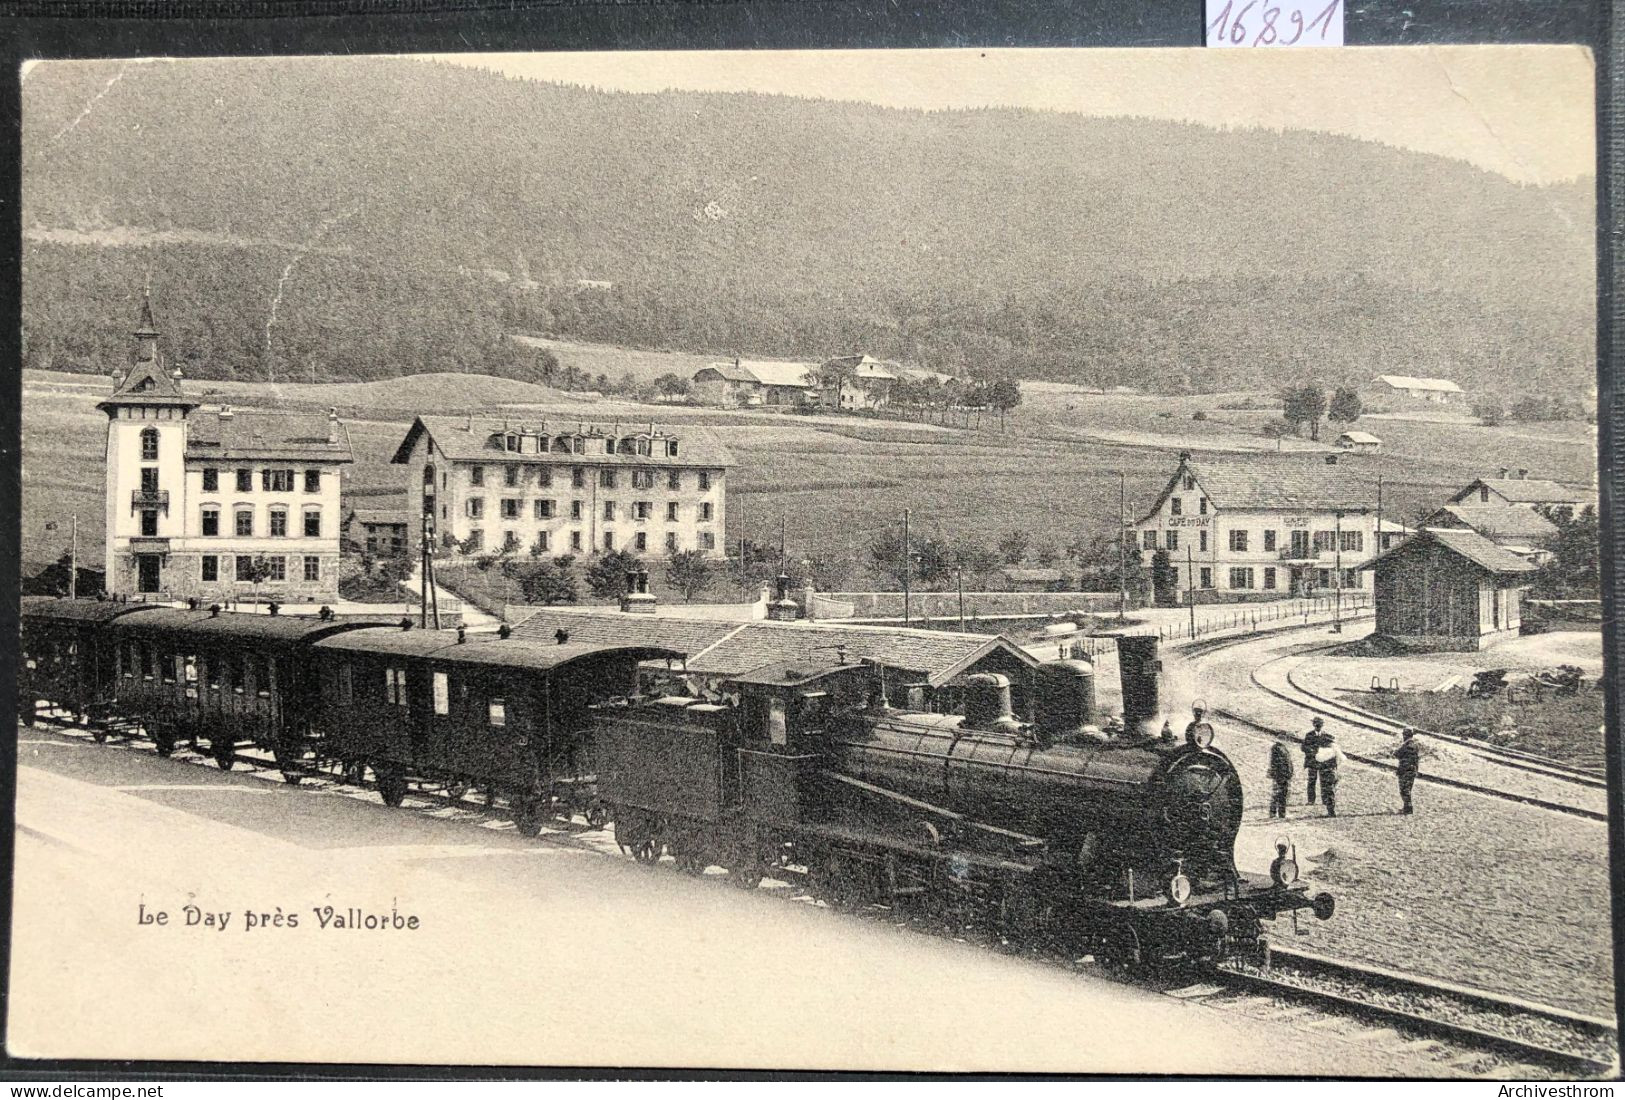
point(1255, 619)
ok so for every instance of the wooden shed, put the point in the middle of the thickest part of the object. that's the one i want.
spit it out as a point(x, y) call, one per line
point(1447, 590)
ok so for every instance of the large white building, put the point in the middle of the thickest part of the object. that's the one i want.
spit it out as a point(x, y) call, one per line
point(203, 502)
point(566, 488)
point(1260, 527)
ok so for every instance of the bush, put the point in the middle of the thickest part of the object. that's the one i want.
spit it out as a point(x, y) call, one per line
point(1198, 415)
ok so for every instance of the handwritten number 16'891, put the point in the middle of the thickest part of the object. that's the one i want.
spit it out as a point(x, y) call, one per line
point(1272, 30)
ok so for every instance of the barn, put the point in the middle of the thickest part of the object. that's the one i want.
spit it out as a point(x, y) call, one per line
point(1447, 590)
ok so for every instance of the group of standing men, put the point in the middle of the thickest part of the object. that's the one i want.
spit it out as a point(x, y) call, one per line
point(1322, 758)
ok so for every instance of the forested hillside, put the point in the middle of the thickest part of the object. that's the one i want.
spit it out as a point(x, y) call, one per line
point(340, 218)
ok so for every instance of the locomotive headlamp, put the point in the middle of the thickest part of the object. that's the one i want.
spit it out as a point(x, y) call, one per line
point(1284, 868)
point(1218, 922)
point(1202, 734)
point(1178, 889)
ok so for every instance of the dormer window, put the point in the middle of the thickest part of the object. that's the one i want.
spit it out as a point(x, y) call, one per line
point(143, 386)
point(510, 442)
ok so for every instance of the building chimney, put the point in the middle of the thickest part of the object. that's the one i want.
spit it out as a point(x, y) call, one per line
point(782, 609)
point(1504, 471)
point(1522, 473)
point(225, 412)
point(504, 631)
point(638, 600)
point(333, 424)
point(1331, 460)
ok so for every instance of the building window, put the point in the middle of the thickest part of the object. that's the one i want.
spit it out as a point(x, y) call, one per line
point(1176, 506)
point(1269, 577)
point(705, 481)
point(1323, 578)
point(1351, 578)
point(575, 509)
point(211, 522)
point(510, 474)
point(578, 478)
point(609, 540)
point(276, 481)
point(1190, 483)
point(211, 568)
point(211, 480)
point(641, 540)
point(1325, 541)
point(278, 568)
point(1201, 540)
point(1201, 506)
point(1484, 494)
point(641, 509)
point(1238, 542)
point(1173, 540)
point(609, 509)
point(544, 478)
point(149, 444)
point(279, 523)
point(671, 511)
point(1207, 577)
point(510, 540)
point(313, 567)
point(245, 481)
point(313, 481)
point(544, 509)
point(149, 479)
point(606, 479)
point(245, 567)
point(313, 523)
point(1149, 539)
point(671, 542)
point(1353, 542)
point(476, 539)
point(708, 541)
point(497, 711)
point(674, 480)
point(149, 523)
point(1241, 578)
point(705, 512)
point(476, 507)
point(1269, 541)
point(643, 479)
point(510, 508)
point(541, 542)
point(575, 541)
point(476, 475)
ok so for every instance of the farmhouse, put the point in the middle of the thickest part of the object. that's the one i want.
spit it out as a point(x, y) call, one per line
point(566, 489)
point(1516, 487)
point(1437, 390)
point(858, 382)
point(1260, 527)
point(1523, 531)
point(378, 531)
point(756, 382)
point(1363, 442)
point(1447, 590)
point(214, 503)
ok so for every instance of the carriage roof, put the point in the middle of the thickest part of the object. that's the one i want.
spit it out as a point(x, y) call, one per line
point(62, 609)
point(443, 646)
point(280, 630)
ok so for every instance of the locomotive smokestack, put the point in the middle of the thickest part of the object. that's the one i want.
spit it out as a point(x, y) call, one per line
point(1141, 675)
point(987, 703)
point(1065, 699)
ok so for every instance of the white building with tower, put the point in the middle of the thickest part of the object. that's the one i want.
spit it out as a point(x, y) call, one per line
point(214, 503)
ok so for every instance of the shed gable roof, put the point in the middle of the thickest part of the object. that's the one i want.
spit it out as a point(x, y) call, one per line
point(1469, 545)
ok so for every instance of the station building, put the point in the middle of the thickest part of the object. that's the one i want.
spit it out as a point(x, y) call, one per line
point(214, 503)
point(565, 489)
point(1448, 590)
point(1255, 527)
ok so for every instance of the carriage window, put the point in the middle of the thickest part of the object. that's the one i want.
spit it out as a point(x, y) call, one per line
point(130, 660)
point(167, 664)
point(149, 667)
point(239, 673)
point(211, 672)
point(499, 712)
point(775, 722)
point(442, 694)
point(346, 685)
point(395, 686)
point(265, 680)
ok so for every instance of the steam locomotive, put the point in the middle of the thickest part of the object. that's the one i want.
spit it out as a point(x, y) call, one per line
point(1110, 838)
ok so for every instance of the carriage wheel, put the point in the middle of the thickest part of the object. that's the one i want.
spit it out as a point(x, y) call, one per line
point(1122, 953)
point(98, 734)
point(456, 789)
point(355, 771)
point(527, 817)
point(745, 869)
point(391, 785)
point(289, 763)
point(225, 754)
point(597, 815)
point(163, 739)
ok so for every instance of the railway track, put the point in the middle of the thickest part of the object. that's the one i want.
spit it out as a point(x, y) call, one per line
point(1473, 1033)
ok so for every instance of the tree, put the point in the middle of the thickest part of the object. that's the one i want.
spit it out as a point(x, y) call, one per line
point(606, 575)
point(1489, 410)
point(1046, 553)
point(688, 571)
point(976, 562)
point(1013, 546)
point(930, 560)
point(259, 571)
point(1004, 395)
point(1345, 407)
point(1304, 404)
point(671, 385)
point(835, 375)
point(1575, 568)
point(547, 581)
point(1278, 430)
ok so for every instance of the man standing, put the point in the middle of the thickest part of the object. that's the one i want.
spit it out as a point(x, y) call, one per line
point(1409, 755)
point(1327, 758)
point(1312, 743)
point(1280, 775)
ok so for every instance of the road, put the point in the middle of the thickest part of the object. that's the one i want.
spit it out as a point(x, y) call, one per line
point(1473, 888)
point(542, 951)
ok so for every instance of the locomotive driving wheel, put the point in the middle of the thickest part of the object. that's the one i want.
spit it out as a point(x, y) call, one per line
point(1122, 953)
point(597, 815)
point(635, 833)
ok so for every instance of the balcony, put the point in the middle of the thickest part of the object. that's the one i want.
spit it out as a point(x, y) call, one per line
point(1299, 553)
point(149, 544)
point(142, 499)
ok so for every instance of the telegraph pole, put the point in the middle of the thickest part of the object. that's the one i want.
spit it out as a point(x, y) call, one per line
point(423, 570)
point(1377, 549)
point(959, 574)
point(1337, 580)
point(1122, 551)
point(73, 561)
point(908, 566)
point(1190, 586)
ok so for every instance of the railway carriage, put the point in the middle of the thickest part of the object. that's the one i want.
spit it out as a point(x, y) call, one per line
point(218, 679)
point(508, 715)
point(67, 659)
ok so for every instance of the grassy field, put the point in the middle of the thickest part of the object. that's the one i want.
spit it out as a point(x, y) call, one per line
point(835, 481)
point(1567, 729)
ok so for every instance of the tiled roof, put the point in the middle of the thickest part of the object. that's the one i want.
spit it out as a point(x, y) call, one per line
point(1524, 490)
point(1468, 544)
point(377, 517)
point(463, 440)
point(936, 655)
point(689, 636)
point(865, 367)
point(766, 372)
point(257, 435)
point(920, 374)
point(1281, 483)
point(1408, 382)
point(1495, 520)
point(147, 383)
